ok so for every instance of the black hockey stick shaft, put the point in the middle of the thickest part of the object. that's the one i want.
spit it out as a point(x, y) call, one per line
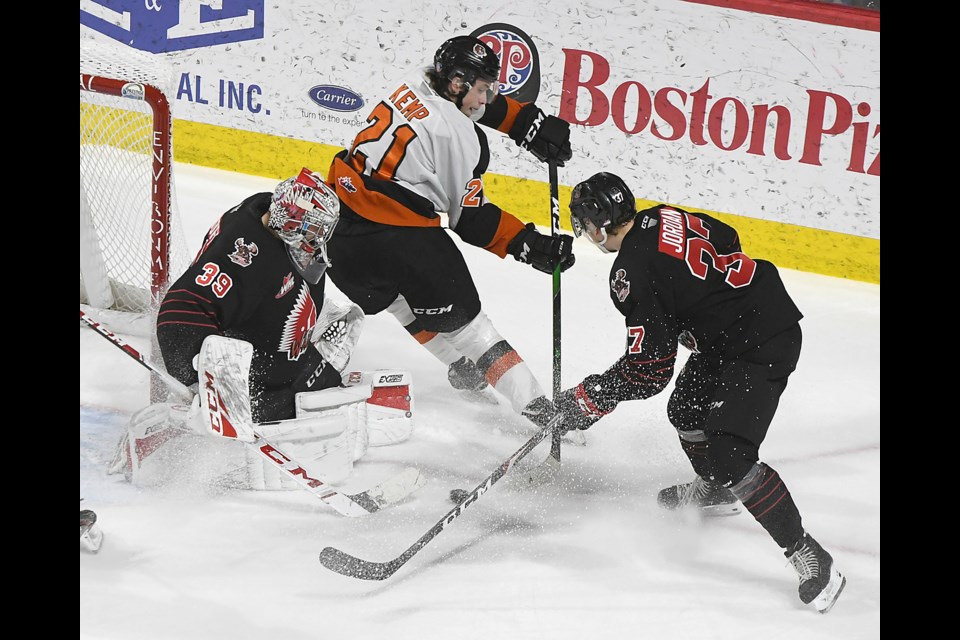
point(348, 565)
point(555, 232)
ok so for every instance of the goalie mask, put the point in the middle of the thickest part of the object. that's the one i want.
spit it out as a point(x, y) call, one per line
point(303, 213)
point(599, 203)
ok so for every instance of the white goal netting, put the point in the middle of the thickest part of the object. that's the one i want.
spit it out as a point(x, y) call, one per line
point(131, 239)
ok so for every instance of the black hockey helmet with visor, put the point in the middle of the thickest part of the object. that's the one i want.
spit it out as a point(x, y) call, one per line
point(468, 58)
point(598, 203)
point(304, 212)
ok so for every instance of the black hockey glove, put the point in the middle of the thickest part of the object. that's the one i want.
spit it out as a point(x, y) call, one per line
point(464, 376)
point(540, 251)
point(546, 137)
point(577, 409)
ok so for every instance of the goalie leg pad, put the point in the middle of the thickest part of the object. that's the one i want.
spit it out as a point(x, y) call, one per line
point(334, 427)
point(223, 367)
point(327, 437)
point(389, 407)
point(143, 453)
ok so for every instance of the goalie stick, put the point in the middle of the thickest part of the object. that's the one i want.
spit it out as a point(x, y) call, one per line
point(353, 567)
point(353, 505)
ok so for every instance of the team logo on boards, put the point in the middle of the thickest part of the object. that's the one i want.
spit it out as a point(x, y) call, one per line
point(519, 60)
point(244, 253)
point(335, 98)
point(158, 27)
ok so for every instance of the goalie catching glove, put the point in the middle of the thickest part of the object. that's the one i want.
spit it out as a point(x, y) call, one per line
point(540, 251)
point(546, 137)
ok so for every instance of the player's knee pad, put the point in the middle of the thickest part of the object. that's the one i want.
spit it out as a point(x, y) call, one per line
point(686, 411)
point(730, 458)
point(475, 338)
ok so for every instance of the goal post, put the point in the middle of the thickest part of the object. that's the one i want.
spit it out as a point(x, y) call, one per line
point(131, 241)
point(132, 244)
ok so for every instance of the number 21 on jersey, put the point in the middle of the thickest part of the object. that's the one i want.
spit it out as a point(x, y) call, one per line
point(381, 120)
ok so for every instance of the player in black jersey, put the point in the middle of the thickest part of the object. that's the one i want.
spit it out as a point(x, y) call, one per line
point(248, 327)
point(681, 277)
point(259, 277)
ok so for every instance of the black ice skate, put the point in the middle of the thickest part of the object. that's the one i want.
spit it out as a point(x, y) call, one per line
point(820, 582)
point(709, 499)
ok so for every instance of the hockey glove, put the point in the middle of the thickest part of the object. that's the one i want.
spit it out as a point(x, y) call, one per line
point(464, 376)
point(542, 252)
point(546, 137)
point(579, 411)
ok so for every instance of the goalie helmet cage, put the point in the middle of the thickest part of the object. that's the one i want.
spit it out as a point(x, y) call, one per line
point(131, 240)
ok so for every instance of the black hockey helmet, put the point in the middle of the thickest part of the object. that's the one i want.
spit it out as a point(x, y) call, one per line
point(468, 58)
point(601, 201)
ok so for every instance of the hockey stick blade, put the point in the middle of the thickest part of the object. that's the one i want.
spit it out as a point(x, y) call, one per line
point(356, 505)
point(354, 567)
point(390, 491)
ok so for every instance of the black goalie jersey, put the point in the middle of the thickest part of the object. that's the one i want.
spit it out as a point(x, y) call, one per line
point(681, 277)
point(242, 285)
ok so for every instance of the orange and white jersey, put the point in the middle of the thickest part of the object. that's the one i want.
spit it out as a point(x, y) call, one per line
point(419, 157)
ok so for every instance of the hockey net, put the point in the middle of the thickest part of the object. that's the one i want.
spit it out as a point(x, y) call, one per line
point(131, 240)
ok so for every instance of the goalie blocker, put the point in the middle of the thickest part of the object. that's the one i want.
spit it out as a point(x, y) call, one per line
point(332, 429)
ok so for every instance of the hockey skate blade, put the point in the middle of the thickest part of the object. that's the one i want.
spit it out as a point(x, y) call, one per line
point(828, 597)
point(398, 487)
point(544, 473)
point(720, 510)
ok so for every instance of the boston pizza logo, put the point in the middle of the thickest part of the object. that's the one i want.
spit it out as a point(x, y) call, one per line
point(519, 60)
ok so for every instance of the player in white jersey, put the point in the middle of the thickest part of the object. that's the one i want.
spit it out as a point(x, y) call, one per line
point(423, 155)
